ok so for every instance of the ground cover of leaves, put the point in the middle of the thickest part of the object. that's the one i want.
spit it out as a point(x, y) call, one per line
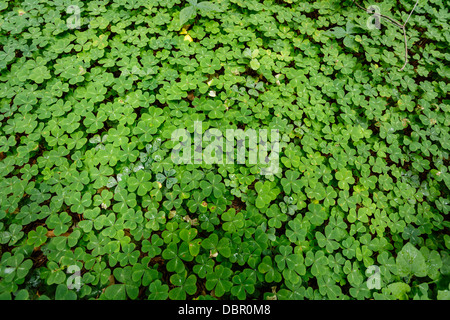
point(358, 210)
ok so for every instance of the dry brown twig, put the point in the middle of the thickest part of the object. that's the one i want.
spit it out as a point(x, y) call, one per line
point(398, 24)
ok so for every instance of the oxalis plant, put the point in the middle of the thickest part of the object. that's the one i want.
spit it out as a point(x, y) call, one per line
point(93, 207)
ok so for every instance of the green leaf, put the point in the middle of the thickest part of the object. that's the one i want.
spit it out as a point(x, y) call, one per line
point(207, 6)
point(187, 13)
point(218, 280)
point(183, 286)
point(158, 291)
point(188, 234)
point(410, 261)
point(399, 290)
point(270, 273)
point(116, 292)
point(254, 64)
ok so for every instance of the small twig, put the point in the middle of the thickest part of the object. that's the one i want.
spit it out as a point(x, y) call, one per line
point(398, 24)
point(406, 49)
point(404, 33)
point(411, 13)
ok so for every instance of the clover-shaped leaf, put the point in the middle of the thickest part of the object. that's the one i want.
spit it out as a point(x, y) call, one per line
point(219, 280)
point(266, 193)
point(212, 185)
point(244, 283)
point(183, 285)
point(291, 182)
point(167, 177)
point(410, 261)
point(175, 255)
point(232, 221)
point(270, 273)
point(158, 291)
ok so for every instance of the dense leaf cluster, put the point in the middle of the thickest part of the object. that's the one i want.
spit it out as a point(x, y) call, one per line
point(87, 182)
